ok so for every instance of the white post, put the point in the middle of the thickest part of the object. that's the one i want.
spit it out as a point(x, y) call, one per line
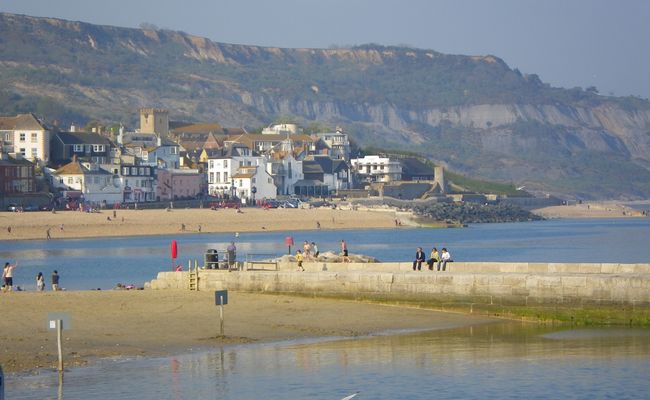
point(221, 315)
point(59, 331)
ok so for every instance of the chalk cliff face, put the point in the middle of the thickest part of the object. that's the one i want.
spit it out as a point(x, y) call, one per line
point(472, 114)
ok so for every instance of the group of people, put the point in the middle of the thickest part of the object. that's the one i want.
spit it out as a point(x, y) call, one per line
point(8, 279)
point(440, 259)
point(309, 251)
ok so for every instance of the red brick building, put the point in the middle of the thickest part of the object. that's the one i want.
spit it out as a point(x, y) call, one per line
point(16, 176)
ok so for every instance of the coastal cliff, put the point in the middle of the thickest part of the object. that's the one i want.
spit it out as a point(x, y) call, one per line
point(473, 114)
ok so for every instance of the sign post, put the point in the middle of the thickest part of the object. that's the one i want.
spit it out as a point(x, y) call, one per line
point(288, 241)
point(56, 322)
point(221, 299)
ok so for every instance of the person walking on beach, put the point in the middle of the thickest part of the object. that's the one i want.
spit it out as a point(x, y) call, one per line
point(47, 234)
point(314, 249)
point(299, 259)
point(419, 259)
point(40, 282)
point(435, 258)
point(55, 281)
point(445, 257)
point(306, 248)
point(8, 276)
point(344, 251)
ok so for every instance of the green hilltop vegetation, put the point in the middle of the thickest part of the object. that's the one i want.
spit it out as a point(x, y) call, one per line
point(473, 113)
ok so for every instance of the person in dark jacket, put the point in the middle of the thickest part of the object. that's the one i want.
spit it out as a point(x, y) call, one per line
point(419, 259)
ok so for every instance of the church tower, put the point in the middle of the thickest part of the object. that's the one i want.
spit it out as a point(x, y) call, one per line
point(154, 120)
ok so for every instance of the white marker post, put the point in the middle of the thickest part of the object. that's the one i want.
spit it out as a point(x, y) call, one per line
point(56, 322)
point(221, 299)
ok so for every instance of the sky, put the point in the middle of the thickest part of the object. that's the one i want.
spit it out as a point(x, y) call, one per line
point(568, 43)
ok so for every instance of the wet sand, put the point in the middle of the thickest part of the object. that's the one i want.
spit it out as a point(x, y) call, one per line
point(158, 323)
point(34, 225)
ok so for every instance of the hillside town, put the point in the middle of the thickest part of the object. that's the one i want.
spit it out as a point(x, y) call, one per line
point(163, 161)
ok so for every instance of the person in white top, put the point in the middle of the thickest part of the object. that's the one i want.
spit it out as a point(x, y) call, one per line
point(445, 257)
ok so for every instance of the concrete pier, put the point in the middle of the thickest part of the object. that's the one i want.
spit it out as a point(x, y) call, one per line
point(480, 282)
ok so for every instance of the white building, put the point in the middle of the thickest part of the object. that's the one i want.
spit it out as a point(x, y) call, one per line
point(334, 144)
point(377, 169)
point(24, 134)
point(286, 170)
point(96, 185)
point(222, 168)
point(254, 183)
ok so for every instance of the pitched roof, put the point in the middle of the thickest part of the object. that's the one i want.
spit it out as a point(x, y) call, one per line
point(21, 121)
point(77, 168)
point(9, 160)
point(73, 168)
point(323, 164)
point(82, 138)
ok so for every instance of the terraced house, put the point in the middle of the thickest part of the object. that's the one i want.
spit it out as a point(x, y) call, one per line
point(27, 136)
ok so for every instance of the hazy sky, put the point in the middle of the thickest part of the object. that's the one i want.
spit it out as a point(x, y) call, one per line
point(568, 43)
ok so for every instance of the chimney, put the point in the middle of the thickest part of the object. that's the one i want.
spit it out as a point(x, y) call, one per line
point(158, 140)
point(73, 128)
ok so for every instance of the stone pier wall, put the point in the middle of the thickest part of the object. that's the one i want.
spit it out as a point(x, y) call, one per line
point(507, 283)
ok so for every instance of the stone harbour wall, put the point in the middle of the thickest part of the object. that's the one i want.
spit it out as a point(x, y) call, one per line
point(506, 283)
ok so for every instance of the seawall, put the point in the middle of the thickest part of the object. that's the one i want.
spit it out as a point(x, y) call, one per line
point(479, 282)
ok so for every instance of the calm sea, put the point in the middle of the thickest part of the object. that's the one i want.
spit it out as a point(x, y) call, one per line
point(102, 263)
point(504, 360)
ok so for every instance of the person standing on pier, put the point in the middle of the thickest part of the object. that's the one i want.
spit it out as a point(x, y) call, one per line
point(344, 251)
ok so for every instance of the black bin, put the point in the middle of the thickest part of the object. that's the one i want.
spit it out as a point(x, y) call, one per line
point(211, 259)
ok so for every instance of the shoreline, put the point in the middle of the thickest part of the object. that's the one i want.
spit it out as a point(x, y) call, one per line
point(586, 210)
point(108, 324)
point(125, 223)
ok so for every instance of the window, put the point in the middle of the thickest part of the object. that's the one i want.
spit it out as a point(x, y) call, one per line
point(70, 180)
point(34, 153)
point(225, 177)
point(211, 164)
point(34, 137)
point(225, 163)
point(22, 137)
point(173, 150)
point(141, 171)
point(98, 148)
point(78, 148)
point(211, 178)
point(22, 151)
point(134, 170)
point(125, 170)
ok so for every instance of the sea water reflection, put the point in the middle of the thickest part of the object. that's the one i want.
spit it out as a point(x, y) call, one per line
point(501, 360)
point(93, 263)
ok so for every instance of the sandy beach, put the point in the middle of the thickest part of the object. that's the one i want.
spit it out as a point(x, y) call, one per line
point(75, 224)
point(156, 323)
point(589, 210)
